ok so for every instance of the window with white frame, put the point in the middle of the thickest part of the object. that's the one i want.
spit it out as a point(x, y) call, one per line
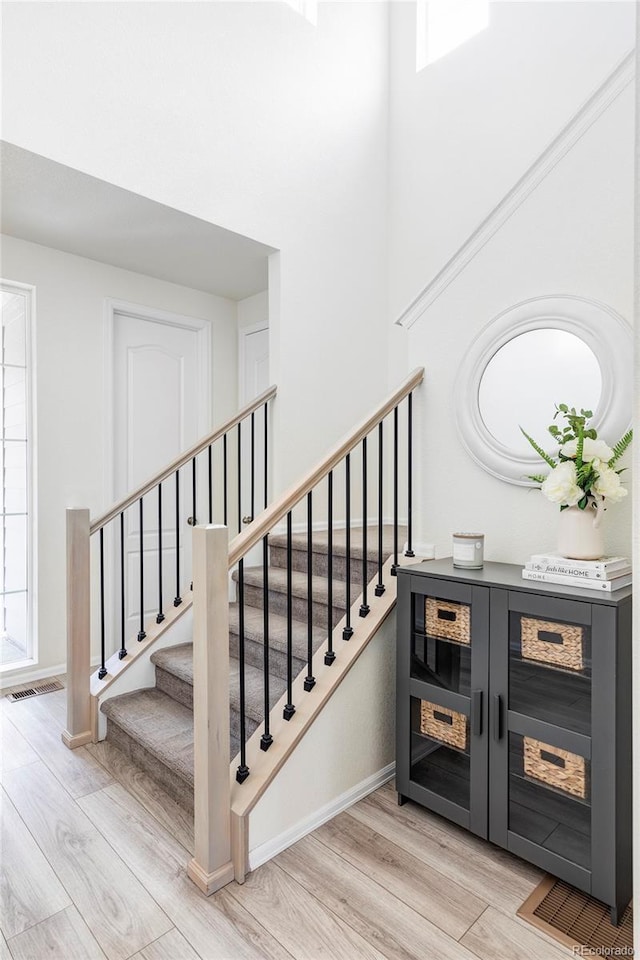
point(15, 532)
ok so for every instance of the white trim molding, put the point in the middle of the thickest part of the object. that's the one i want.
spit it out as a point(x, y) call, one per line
point(604, 331)
point(271, 848)
point(586, 116)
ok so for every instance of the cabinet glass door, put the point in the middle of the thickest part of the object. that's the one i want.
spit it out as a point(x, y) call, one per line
point(443, 669)
point(541, 732)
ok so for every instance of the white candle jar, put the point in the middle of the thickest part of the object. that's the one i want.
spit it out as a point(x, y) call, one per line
point(468, 550)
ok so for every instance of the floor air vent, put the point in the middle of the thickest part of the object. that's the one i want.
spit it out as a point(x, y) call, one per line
point(36, 691)
point(577, 920)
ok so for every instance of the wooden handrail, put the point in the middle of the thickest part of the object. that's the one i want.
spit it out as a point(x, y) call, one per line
point(180, 461)
point(243, 542)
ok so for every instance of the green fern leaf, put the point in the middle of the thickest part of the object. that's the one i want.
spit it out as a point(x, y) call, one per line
point(537, 478)
point(541, 453)
point(620, 447)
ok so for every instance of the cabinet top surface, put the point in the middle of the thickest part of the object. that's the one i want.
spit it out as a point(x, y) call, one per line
point(509, 575)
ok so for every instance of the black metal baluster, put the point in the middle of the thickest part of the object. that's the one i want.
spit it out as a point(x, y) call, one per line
point(266, 457)
point(194, 497)
point(329, 656)
point(239, 478)
point(243, 770)
point(224, 470)
point(380, 585)
point(266, 739)
point(409, 551)
point(364, 606)
point(210, 467)
point(102, 672)
point(253, 465)
point(123, 650)
point(394, 566)
point(177, 599)
point(309, 680)
point(141, 632)
point(347, 632)
point(160, 616)
point(289, 708)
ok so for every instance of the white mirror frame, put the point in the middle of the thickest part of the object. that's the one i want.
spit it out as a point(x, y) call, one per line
point(603, 330)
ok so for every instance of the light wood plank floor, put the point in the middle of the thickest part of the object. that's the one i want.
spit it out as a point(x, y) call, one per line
point(94, 856)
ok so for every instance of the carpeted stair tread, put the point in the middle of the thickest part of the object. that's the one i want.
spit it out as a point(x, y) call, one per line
point(320, 541)
point(253, 577)
point(161, 725)
point(178, 661)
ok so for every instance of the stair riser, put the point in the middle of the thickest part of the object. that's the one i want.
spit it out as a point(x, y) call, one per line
point(319, 564)
point(254, 656)
point(177, 788)
point(182, 691)
point(174, 687)
point(254, 597)
point(234, 721)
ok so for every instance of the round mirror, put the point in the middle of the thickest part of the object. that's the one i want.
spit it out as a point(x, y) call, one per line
point(527, 376)
point(536, 354)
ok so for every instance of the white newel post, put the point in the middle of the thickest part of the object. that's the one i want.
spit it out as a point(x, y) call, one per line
point(211, 867)
point(78, 729)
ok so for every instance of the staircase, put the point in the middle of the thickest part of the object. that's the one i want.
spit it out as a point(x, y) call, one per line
point(154, 726)
point(268, 664)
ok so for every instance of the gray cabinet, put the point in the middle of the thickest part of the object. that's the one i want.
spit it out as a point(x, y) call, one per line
point(514, 717)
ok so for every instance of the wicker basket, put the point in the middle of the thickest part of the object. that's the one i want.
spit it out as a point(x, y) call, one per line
point(443, 724)
point(449, 621)
point(559, 644)
point(557, 768)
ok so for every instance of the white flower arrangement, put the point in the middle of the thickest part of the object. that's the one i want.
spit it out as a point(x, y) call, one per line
point(584, 474)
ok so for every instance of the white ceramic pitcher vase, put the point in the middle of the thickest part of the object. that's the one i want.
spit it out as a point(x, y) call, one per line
point(580, 533)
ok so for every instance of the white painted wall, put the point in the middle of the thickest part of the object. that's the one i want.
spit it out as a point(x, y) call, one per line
point(465, 128)
point(351, 742)
point(69, 380)
point(248, 116)
point(573, 235)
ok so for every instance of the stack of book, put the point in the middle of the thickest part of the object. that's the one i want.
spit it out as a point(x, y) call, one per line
point(607, 573)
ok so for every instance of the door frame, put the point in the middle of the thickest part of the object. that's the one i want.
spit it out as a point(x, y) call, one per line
point(243, 333)
point(113, 308)
point(28, 291)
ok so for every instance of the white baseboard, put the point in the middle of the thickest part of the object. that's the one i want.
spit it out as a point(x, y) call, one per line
point(14, 678)
point(266, 851)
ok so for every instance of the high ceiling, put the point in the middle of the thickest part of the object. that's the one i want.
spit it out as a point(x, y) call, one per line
point(57, 206)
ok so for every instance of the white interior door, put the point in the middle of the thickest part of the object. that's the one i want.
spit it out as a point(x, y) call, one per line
point(160, 408)
point(254, 380)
